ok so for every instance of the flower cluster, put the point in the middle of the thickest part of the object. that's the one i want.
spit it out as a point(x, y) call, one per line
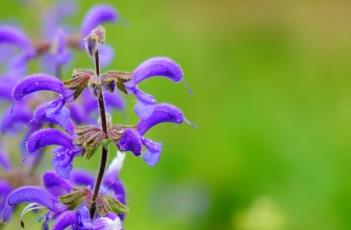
point(74, 115)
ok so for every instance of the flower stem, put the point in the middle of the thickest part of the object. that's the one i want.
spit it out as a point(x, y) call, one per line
point(104, 150)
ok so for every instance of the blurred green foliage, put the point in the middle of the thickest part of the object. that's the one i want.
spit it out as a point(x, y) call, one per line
point(272, 104)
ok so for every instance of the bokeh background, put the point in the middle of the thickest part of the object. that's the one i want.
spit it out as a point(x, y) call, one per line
point(272, 105)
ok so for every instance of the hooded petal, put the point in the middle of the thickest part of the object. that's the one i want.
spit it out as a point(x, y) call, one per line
point(37, 82)
point(34, 194)
point(158, 66)
point(47, 137)
point(130, 141)
point(55, 184)
point(153, 153)
point(162, 113)
point(97, 15)
point(14, 36)
point(65, 220)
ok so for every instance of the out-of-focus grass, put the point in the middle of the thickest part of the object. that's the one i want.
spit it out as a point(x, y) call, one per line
point(272, 105)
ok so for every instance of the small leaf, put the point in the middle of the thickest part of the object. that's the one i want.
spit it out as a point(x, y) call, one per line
point(110, 204)
point(73, 199)
point(79, 81)
point(89, 138)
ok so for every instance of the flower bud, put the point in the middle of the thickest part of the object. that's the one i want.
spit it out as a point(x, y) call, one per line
point(94, 40)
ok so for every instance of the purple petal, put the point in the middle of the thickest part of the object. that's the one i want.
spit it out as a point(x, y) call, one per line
point(37, 82)
point(117, 188)
point(5, 211)
point(14, 117)
point(14, 36)
point(55, 184)
point(107, 223)
point(97, 15)
point(84, 217)
point(107, 54)
point(4, 160)
point(162, 113)
point(114, 100)
point(45, 137)
point(78, 113)
point(130, 141)
point(115, 167)
point(18, 65)
point(5, 188)
point(152, 155)
point(34, 194)
point(6, 88)
point(79, 177)
point(111, 180)
point(144, 111)
point(158, 66)
point(63, 159)
point(44, 113)
point(65, 220)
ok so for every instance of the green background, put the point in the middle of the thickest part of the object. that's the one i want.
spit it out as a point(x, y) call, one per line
point(272, 105)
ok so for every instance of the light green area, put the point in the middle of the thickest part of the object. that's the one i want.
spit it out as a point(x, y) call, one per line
point(272, 105)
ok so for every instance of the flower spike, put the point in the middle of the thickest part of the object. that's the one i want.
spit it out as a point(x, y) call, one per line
point(159, 66)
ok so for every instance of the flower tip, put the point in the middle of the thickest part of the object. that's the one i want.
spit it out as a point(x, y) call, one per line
point(94, 40)
point(193, 125)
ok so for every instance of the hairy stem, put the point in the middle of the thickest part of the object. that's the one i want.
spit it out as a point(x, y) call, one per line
point(104, 150)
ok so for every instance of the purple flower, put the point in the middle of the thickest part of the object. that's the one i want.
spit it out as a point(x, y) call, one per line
point(35, 194)
point(35, 83)
point(43, 82)
point(16, 37)
point(58, 55)
point(159, 66)
point(97, 15)
point(43, 114)
point(133, 139)
point(63, 155)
